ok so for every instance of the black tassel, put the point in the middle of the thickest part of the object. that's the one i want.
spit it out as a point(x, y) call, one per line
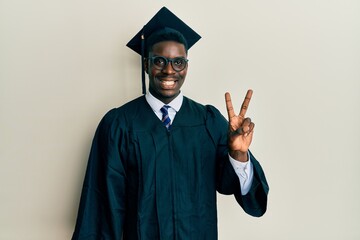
point(143, 62)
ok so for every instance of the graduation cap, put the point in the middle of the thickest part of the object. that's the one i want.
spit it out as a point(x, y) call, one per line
point(163, 19)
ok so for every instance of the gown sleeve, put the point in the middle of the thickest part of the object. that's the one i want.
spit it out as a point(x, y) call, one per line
point(102, 206)
point(254, 202)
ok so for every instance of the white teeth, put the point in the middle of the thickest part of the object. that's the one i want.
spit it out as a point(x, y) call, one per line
point(168, 83)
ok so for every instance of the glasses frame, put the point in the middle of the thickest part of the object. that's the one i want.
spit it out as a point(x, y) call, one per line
point(167, 60)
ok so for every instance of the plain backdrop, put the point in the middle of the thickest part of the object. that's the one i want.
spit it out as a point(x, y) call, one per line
point(64, 64)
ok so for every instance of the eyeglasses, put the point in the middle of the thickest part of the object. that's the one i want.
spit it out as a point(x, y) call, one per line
point(178, 63)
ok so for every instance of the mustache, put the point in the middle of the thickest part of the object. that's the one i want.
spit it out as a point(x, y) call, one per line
point(175, 78)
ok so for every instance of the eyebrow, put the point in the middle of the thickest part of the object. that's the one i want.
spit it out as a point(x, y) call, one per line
point(159, 55)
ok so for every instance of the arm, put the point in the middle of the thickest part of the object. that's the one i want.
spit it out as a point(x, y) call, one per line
point(102, 205)
point(245, 173)
point(240, 133)
point(254, 202)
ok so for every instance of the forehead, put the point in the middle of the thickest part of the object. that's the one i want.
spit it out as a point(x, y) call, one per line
point(168, 49)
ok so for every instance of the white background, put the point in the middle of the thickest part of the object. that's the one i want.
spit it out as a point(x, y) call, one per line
point(63, 64)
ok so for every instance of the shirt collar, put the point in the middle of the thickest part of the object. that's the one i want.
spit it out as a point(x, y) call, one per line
point(156, 104)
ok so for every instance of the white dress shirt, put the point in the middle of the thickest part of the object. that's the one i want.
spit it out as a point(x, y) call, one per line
point(244, 170)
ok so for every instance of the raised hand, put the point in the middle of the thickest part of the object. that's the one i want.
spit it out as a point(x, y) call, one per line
point(241, 129)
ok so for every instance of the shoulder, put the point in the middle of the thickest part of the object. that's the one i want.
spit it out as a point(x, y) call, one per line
point(214, 121)
point(124, 113)
point(208, 110)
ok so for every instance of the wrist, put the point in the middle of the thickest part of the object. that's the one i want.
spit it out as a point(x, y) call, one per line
point(239, 156)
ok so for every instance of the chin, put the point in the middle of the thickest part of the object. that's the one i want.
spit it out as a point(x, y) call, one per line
point(170, 94)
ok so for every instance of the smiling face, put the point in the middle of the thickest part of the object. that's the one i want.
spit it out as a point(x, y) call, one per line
point(165, 84)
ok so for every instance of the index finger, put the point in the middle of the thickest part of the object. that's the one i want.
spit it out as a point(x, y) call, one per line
point(245, 104)
point(229, 106)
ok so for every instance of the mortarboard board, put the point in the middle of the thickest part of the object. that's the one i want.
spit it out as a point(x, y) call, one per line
point(164, 18)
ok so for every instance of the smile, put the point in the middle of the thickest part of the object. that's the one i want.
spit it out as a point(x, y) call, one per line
point(167, 84)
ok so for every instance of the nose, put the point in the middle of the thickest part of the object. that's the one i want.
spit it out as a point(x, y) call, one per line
point(168, 69)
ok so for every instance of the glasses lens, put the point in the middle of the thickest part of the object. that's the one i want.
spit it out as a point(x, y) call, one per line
point(178, 64)
point(159, 62)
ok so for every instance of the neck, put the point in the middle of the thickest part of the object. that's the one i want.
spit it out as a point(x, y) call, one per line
point(162, 98)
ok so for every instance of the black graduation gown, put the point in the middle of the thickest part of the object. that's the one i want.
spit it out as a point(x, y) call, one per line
point(145, 182)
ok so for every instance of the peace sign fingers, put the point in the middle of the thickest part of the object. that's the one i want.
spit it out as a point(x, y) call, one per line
point(244, 106)
point(241, 128)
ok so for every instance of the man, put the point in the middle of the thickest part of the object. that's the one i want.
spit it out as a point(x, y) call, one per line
point(157, 161)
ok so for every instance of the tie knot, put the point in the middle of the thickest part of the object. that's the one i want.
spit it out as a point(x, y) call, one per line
point(164, 109)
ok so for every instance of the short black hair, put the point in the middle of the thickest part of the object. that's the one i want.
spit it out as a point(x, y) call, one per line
point(164, 34)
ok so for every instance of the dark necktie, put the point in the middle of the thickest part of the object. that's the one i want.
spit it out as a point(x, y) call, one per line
point(165, 116)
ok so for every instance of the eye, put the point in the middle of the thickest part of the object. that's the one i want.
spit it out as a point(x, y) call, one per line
point(179, 61)
point(159, 61)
